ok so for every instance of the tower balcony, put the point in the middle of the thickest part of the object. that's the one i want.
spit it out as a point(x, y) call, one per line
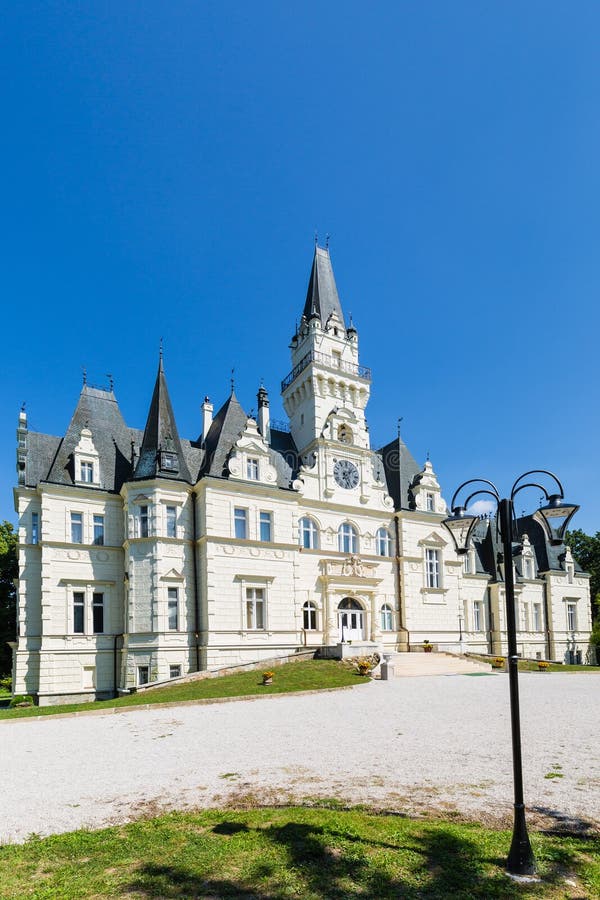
point(328, 362)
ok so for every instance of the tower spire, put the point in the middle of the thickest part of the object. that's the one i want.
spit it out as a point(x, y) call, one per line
point(322, 298)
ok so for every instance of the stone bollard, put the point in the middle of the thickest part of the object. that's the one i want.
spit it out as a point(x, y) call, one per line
point(387, 671)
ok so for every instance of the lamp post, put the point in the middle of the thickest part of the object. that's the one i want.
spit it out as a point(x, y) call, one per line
point(554, 518)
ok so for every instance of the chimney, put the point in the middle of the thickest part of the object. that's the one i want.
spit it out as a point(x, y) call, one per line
point(207, 411)
point(263, 414)
point(22, 445)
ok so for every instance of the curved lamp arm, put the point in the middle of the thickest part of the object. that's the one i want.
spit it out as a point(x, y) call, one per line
point(517, 487)
point(493, 492)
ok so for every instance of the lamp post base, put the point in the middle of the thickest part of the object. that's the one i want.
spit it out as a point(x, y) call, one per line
point(521, 860)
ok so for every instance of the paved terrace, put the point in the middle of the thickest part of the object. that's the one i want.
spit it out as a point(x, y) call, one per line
point(419, 745)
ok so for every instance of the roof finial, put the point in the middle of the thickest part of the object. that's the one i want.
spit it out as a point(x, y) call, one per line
point(232, 380)
point(316, 238)
point(111, 382)
point(400, 427)
point(23, 406)
point(428, 460)
point(327, 241)
point(84, 370)
point(160, 352)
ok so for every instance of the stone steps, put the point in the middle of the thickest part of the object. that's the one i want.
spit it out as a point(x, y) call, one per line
point(411, 664)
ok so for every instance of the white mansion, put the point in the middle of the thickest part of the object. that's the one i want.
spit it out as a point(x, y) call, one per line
point(144, 556)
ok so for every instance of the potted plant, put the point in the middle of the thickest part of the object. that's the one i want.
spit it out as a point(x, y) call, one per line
point(498, 662)
point(543, 665)
point(267, 677)
point(364, 667)
point(427, 647)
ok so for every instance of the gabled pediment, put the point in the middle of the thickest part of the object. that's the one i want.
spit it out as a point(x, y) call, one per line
point(172, 575)
point(433, 540)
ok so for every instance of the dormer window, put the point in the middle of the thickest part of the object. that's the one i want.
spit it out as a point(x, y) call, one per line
point(168, 461)
point(430, 502)
point(87, 472)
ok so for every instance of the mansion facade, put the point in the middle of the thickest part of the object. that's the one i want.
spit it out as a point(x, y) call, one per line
point(144, 556)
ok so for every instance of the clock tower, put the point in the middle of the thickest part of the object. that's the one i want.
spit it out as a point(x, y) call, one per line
point(326, 392)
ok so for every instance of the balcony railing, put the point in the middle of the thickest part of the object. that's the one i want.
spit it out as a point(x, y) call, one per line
point(337, 365)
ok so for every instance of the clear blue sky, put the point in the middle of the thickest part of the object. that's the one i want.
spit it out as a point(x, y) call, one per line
point(166, 165)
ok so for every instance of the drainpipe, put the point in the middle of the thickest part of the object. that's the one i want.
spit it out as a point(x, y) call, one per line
point(490, 621)
point(401, 626)
point(115, 667)
point(196, 588)
point(547, 621)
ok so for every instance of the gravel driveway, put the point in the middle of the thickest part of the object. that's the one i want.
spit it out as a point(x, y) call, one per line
point(427, 744)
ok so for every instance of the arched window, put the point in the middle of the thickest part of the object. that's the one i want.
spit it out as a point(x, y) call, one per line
point(309, 534)
point(309, 616)
point(387, 618)
point(384, 542)
point(347, 538)
point(344, 434)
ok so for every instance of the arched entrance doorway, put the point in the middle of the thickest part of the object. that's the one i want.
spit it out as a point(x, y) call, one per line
point(351, 620)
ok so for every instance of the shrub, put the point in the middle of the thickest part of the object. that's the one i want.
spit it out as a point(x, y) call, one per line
point(6, 683)
point(21, 700)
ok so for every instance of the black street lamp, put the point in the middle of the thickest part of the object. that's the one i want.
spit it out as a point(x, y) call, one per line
point(554, 519)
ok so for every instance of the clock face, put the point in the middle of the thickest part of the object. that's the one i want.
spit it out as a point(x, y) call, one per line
point(345, 473)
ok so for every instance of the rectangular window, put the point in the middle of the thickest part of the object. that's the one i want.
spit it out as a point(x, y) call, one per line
point(144, 521)
point(174, 671)
point(430, 503)
point(240, 518)
point(252, 469)
point(265, 526)
point(572, 616)
point(87, 472)
point(173, 609)
point(255, 608)
point(467, 563)
point(478, 616)
point(432, 566)
point(570, 573)
point(171, 521)
point(78, 606)
point(537, 617)
point(143, 674)
point(98, 613)
point(77, 528)
point(99, 530)
point(35, 527)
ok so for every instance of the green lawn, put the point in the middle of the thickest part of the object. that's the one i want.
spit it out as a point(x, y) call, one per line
point(528, 665)
point(297, 676)
point(307, 853)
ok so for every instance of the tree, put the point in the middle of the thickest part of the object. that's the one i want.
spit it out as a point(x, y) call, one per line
point(586, 550)
point(9, 569)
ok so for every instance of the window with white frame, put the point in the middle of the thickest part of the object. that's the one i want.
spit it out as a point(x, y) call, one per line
point(570, 573)
point(430, 502)
point(468, 563)
point(384, 542)
point(347, 538)
point(143, 674)
point(309, 616)
point(171, 515)
point(266, 526)
point(527, 567)
point(252, 469)
point(173, 609)
point(144, 522)
point(35, 527)
point(87, 472)
point(572, 616)
point(240, 523)
point(255, 608)
point(76, 528)
point(98, 530)
point(477, 615)
point(175, 671)
point(432, 568)
point(309, 534)
point(537, 616)
point(98, 613)
point(78, 612)
point(387, 617)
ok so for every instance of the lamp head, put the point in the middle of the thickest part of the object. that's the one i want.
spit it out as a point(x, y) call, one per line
point(555, 517)
point(461, 525)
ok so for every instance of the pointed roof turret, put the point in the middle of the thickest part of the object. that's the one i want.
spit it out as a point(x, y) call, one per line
point(227, 426)
point(322, 297)
point(161, 455)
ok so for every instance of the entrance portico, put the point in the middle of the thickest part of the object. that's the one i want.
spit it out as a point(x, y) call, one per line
point(351, 622)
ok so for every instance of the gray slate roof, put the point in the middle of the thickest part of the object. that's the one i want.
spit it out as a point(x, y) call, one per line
point(99, 411)
point(400, 470)
point(161, 435)
point(322, 296)
point(227, 426)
